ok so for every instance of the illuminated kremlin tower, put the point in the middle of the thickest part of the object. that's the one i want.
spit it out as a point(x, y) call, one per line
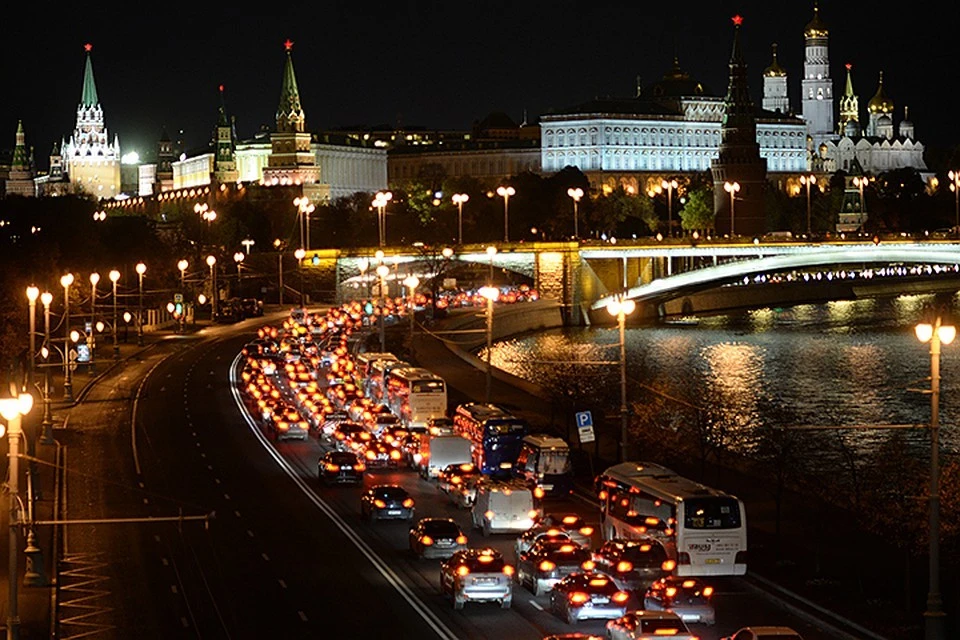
point(225, 160)
point(739, 163)
point(91, 162)
point(292, 160)
point(20, 180)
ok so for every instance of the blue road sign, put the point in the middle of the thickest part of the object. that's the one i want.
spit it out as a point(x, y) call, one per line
point(584, 419)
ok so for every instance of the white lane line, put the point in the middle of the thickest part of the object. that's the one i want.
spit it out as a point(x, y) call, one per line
point(184, 622)
point(536, 605)
point(133, 413)
point(236, 513)
point(302, 615)
point(265, 557)
point(173, 588)
point(405, 591)
point(249, 533)
point(282, 583)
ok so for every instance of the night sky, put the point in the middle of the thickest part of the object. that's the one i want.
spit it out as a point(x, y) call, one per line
point(437, 64)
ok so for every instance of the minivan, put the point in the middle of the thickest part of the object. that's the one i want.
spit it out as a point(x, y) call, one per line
point(504, 507)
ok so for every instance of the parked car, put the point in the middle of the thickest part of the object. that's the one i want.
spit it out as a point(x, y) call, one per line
point(588, 595)
point(386, 502)
point(638, 625)
point(251, 307)
point(228, 312)
point(436, 538)
point(764, 633)
point(340, 467)
point(689, 598)
point(477, 575)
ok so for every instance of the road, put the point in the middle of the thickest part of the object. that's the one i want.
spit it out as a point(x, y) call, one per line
point(283, 557)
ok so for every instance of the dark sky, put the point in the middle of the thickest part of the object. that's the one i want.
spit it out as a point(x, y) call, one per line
point(440, 64)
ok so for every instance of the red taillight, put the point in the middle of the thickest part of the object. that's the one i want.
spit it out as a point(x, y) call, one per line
point(668, 565)
point(359, 466)
point(371, 455)
point(666, 632)
point(461, 539)
point(546, 565)
point(587, 531)
point(621, 597)
point(408, 503)
point(332, 467)
point(578, 597)
point(507, 570)
point(623, 566)
point(707, 592)
point(426, 541)
point(602, 495)
point(463, 570)
point(394, 455)
point(489, 515)
point(671, 591)
point(380, 504)
point(538, 492)
point(589, 565)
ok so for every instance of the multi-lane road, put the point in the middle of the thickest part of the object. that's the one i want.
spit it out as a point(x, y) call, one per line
point(283, 557)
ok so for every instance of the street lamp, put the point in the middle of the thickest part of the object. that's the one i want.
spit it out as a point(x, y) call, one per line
point(491, 251)
point(304, 209)
point(380, 201)
point(576, 194)
point(807, 181)
point(65, 281)
point(114, 276)
point(279, 246)
point(382, 272)
point(459, 199)
point(620, 309)
point(732, 188)
point(669, 185)
point(505, 193)
point(412, 282)
point(299, 255)
point(212, 263)
point(94, 279)
point(363, 264)
point(238, 258)
point(492, 294)
point(936, 334)
point(860, 183)
point(247, 243)
point(955, 187)
point(32, 294)
point(141, 269)
point(46, 298)
point(13, 410)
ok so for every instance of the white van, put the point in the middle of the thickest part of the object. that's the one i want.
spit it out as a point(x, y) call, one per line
point(436, 452)
point(504, 507)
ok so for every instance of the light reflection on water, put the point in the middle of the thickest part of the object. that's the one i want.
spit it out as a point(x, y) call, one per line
point(838, 363)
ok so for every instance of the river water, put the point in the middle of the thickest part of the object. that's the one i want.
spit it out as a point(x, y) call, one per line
point(840, 363)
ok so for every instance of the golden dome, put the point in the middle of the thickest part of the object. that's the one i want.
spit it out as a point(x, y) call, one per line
point(815, 28)
point(774, 70)
point(880, 103)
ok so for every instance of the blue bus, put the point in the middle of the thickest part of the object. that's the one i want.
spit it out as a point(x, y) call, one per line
point(496, 436)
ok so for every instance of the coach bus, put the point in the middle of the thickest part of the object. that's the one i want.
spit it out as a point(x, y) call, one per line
point(496, 436)
point(703, 529)
point(416, 395)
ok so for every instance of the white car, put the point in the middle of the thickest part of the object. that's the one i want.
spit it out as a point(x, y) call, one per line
point(764, 633)
point(528, 538)
point(649, 624)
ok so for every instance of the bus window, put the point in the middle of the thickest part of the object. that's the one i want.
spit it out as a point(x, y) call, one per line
point(713, 513)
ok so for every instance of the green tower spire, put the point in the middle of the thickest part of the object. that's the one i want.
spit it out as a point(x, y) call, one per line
point(89, 96)
point(290, 116)
point(20, 159)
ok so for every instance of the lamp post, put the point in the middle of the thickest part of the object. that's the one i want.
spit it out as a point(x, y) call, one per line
point(94, 279)
point(955, 187)
point(12, 410)
point(182, 266)
point(304, 209)
point(669, 185)
point(278, 245)
point(238, 258)
point(363, 264)
point(732, 188)
point(65, 281)
point(47, 424)
point(412, 282)
point(382, 272)
point(459, 199)
point(141, 269)
point(807, 181)
point(620, 309)
point(936, 334)
point(380, 201)
point(492, 294)
point(247, 243)
point(299, 255)
point(114, 276)
point(576, 194)
point(212, 263)
point(505, 193)
point(860, 183)
point(32, 294)
point(491, 251)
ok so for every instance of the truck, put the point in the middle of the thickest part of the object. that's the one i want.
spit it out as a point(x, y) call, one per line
point(434, 453)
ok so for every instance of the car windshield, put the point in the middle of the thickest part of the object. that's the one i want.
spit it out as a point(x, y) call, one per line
point(645, 554)
point(663, 627)
point(483, 563)
point(342, 457)
point(441, 529)
point(566, 521)
point(593, 583)
point(391, 493)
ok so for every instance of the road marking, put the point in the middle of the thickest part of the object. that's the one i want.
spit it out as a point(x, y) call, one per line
point(184, 622)
point(265, 557)
point(236, 513)
point(536, 605)
point(173, 588)
point(302, 615)
point(217, 480)
point(165, 562)
point(282, 583)
point(249, 533)
point(210, 467)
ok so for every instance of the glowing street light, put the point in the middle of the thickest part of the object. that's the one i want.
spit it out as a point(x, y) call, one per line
point(492, 294)
point(300, 254)
point(669, 185)
point(65, 282)
point(304, 209)
point(935, 333)
point(955, 187)
point(620, 309)
point(141, 269)
point(238, 258)
point(46, 298)
point(505, 193)
point(382, 272)
point(94, 279)
point(212, 263)
point(114, 277)
point(412, 282)
point(380, 201)
point(459, 199)
point(732, 188)
point(247, 243)
point(491, 251)
point(807, 181)
point(576, 194)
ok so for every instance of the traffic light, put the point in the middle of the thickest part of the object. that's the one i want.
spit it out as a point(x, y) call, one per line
point(368, 308)
point(316, 259)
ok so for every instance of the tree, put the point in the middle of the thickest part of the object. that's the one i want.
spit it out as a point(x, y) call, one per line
point(697, 213)
point(619, 213)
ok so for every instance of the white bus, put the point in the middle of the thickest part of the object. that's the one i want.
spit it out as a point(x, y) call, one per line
point(374, 385)
point(416, 395)
point(704, 530)
point(363, 364)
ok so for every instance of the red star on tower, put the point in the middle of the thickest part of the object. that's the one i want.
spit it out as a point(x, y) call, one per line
point(737, 19)
point(848, 66)
point(288, 44)
point(87, 47)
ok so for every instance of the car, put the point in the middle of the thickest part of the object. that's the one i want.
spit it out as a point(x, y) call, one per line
point(346, 432)
point(396, 436)
point(573, 524)
point(386, 502)
point(379, 422)
point(286, 423)
point(442, 426)
point(573, 636)
point(689, 598)
point(465, 493)
point(764, 633)
point(477, 575)
point(340, 467)
point(633, 564)
point(454, 475)
point(436, 538)
point(529, 537)
point(588, 595)
point(251, 307)
point(378, 454)
point(549, 561)
point(649, 624)
point(330, 423)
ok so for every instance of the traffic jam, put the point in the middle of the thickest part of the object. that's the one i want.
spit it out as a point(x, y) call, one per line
point(507, 526)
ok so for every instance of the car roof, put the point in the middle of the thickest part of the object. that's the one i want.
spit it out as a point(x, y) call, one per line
point(784, 631)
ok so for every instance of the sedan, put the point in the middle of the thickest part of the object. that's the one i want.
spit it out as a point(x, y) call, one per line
point(572, 523)
point(453, 475)
point(689, 598)
point(638, 625)
point(477, 575)
point(764, 633)
point(286, 423)
point(588, 595)
point(386, 502)
point(380, 455)
point(345, 432)
point(633, 564)
point(436, 538)
point(530, 537)
point(340, 467)
point(549, 561)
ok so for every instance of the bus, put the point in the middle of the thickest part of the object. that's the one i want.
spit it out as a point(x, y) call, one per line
point(374, 384)
point(544, 462)
point(416, 395)
point(496, 436)
point(363, 365)
point(703, 529)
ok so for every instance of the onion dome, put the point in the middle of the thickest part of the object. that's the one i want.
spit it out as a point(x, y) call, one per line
point(774, 70)
point(851, 129)
point(677, 83)
point(880, 103)
point(815, 28)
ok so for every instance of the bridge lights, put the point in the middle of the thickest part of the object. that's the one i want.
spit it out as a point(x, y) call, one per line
point(505, 193)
